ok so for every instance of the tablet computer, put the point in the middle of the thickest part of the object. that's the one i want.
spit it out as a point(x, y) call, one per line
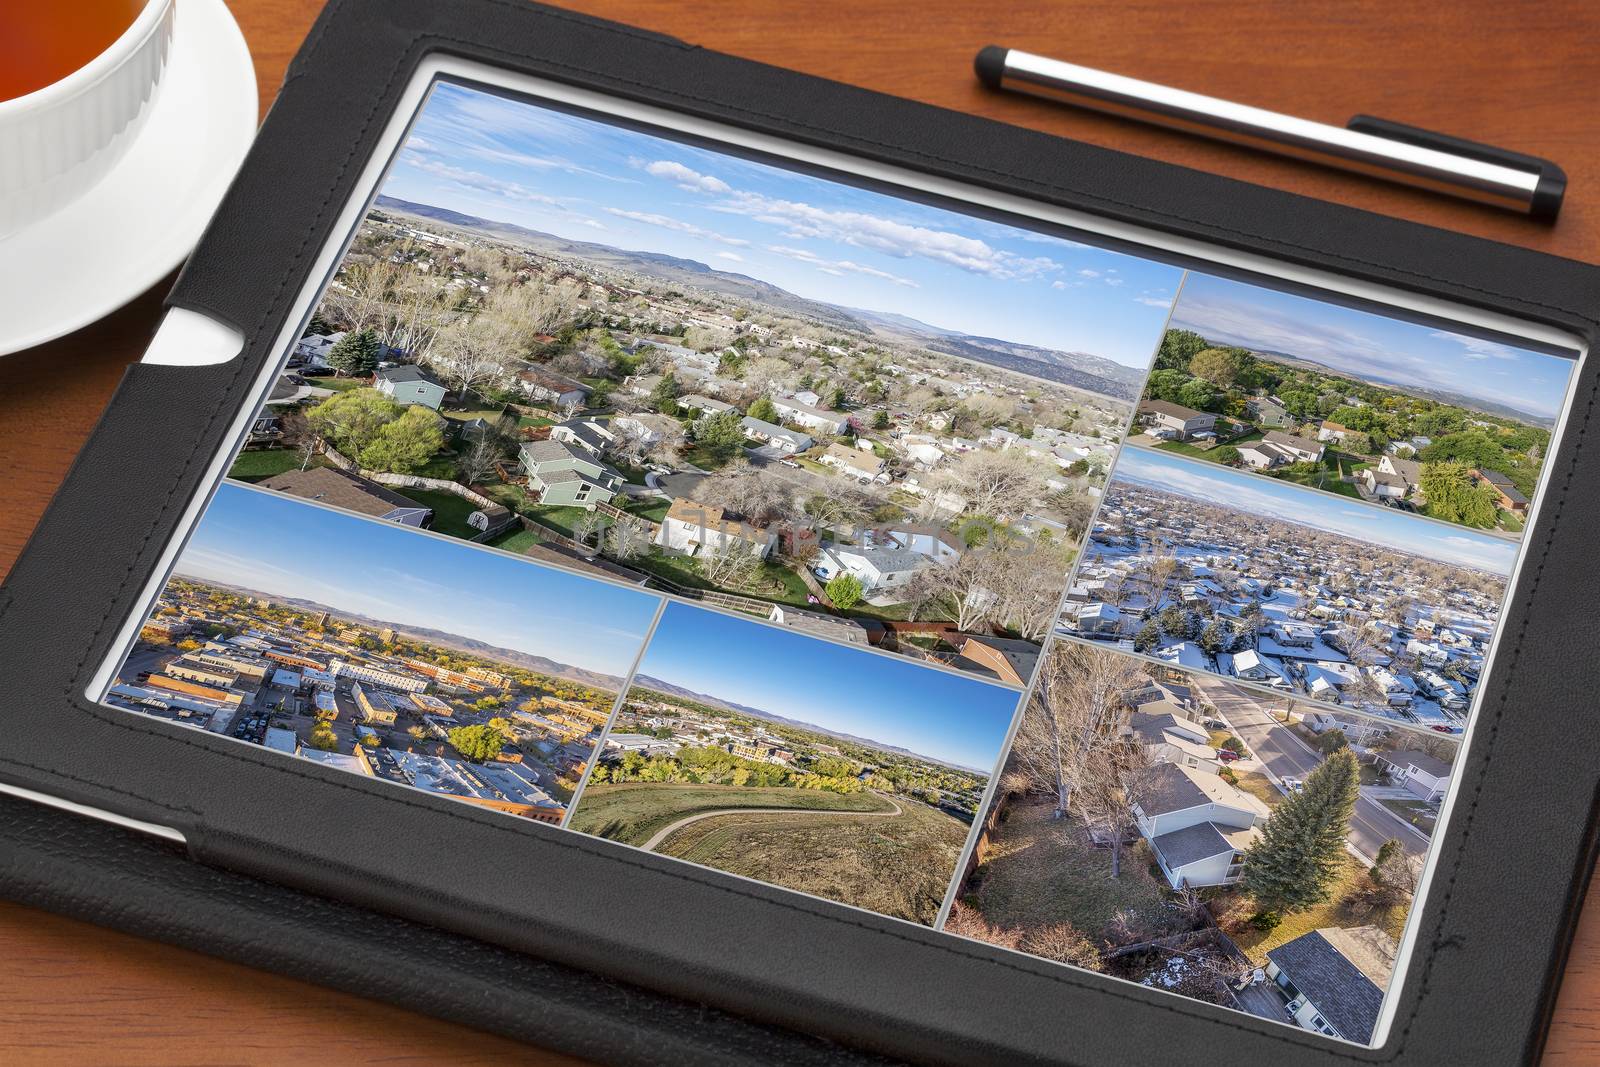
point(1037, 586)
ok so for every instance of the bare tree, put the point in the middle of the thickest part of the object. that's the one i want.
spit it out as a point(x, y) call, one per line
point(626, 539)
point(1157, 563)
point(480, 458)
point(997, 484)
point(471, 352)
point(589, 528)
point(1076, 709)
point(1109, 787)
point(728, 561)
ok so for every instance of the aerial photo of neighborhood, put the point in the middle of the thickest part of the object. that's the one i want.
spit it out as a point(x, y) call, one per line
point(798, 762)
point(720, 379)
point(364, 647)
point(1399, 414)
point(1283, 587)
point(1190, 834)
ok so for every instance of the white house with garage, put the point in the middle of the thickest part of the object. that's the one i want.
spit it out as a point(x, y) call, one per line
point(1197, 824)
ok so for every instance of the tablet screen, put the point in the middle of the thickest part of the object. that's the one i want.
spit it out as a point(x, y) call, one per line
point(1084, 598)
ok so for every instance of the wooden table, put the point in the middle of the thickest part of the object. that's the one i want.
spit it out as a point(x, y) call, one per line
point(1521, 75)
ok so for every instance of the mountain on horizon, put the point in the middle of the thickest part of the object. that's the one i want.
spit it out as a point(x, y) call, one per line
point(1080, 370)
point(1482, 405)
point(472, 646)
point(661, 686)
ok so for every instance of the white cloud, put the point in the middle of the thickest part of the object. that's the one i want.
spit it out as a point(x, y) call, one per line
point(736, 257)
point(1154, 301)
point(592, 223)
point(838, 267)
point(1477, 347)
point(471, 179)
point(1087, 273)
point(685, 178)
point(679, 225)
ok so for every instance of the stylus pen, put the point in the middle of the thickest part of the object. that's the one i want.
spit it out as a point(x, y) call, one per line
point(1368, 145)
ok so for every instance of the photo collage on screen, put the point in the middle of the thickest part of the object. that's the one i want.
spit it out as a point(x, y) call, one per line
point(871, 549)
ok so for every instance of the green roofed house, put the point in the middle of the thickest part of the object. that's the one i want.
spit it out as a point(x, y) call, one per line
point(562, 474)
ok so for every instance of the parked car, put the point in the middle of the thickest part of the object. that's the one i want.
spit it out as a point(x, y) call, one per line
point(788, 463)
point(1227, 755)
point(1293, 785)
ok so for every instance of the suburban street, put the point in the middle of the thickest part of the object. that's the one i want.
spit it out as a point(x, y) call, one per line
point(1284, 755)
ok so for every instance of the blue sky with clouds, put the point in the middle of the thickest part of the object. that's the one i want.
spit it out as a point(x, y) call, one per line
point(848, 690)
point(1371, 346)
point(281, 547)
point(518, 162)
point(1224, 486)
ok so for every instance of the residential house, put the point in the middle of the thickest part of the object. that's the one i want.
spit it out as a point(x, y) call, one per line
point(1393, 478)
point(853, 461)
point(647, 429)
point(1099, 619)
point(816, 624)
point(785, 440)
point(1335, 979)
point(313, 349)
point(812, 418)
point(1198, 825)
point(1171, 738)
point(1175, 421)
point(1425, 777)
point(409, 384)
point(1507, 496)
point(592, 436)
point(1268, 412)
point(1328, 430)
point(550, 387)
point(561, 473)
point(704, 404)
point(341, 489)
point(690, 527)
point(878, 568)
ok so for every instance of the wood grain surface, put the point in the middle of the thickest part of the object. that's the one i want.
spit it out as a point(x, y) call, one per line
point(1516, 74)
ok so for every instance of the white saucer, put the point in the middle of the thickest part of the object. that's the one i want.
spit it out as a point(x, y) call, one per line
point(125, 234)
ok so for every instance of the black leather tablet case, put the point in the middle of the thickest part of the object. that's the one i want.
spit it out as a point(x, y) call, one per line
point(1515, 858)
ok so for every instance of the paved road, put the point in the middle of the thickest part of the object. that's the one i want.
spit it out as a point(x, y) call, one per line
point(672, 828)
point(1282, 752)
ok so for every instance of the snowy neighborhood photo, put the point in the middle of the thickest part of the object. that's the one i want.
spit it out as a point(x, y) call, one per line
point(1280, 586)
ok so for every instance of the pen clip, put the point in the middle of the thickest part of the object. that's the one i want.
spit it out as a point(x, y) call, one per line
point(1552, 179)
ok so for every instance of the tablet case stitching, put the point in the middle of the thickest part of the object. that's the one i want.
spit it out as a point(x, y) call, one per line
point(604, 850)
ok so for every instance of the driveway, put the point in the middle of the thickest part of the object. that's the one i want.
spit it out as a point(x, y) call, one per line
point(1283, 755)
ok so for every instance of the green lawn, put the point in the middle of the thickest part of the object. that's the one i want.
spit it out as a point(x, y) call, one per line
point(705, 459)
point(254, 466)
point(558, 518)
point(449, 511)
point(1510, 522)
point(338, 385)
point(654, 509)
point(1183, 448)
point(632, 812)
point(516, 539)
point(1322, 478)
point(534, 421)
point(772, 582)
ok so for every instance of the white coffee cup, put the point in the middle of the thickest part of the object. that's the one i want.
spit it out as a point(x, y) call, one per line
point(58, 141)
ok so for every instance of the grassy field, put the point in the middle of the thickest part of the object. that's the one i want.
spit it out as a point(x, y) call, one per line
point(515, 540)
point(896, 864)
point(1414, 812)
point(1260, 786)
point(338, 385)
point(264, 463)
point(1041, 871)
point(653, 509)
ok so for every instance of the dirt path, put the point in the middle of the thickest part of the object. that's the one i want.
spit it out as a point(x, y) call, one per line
point(671, 828)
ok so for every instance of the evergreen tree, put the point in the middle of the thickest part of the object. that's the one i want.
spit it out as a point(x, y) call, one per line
point(762, 408)
point(664, 397)
point(1148, 637)
point(1297, 861)
point(356, 354)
